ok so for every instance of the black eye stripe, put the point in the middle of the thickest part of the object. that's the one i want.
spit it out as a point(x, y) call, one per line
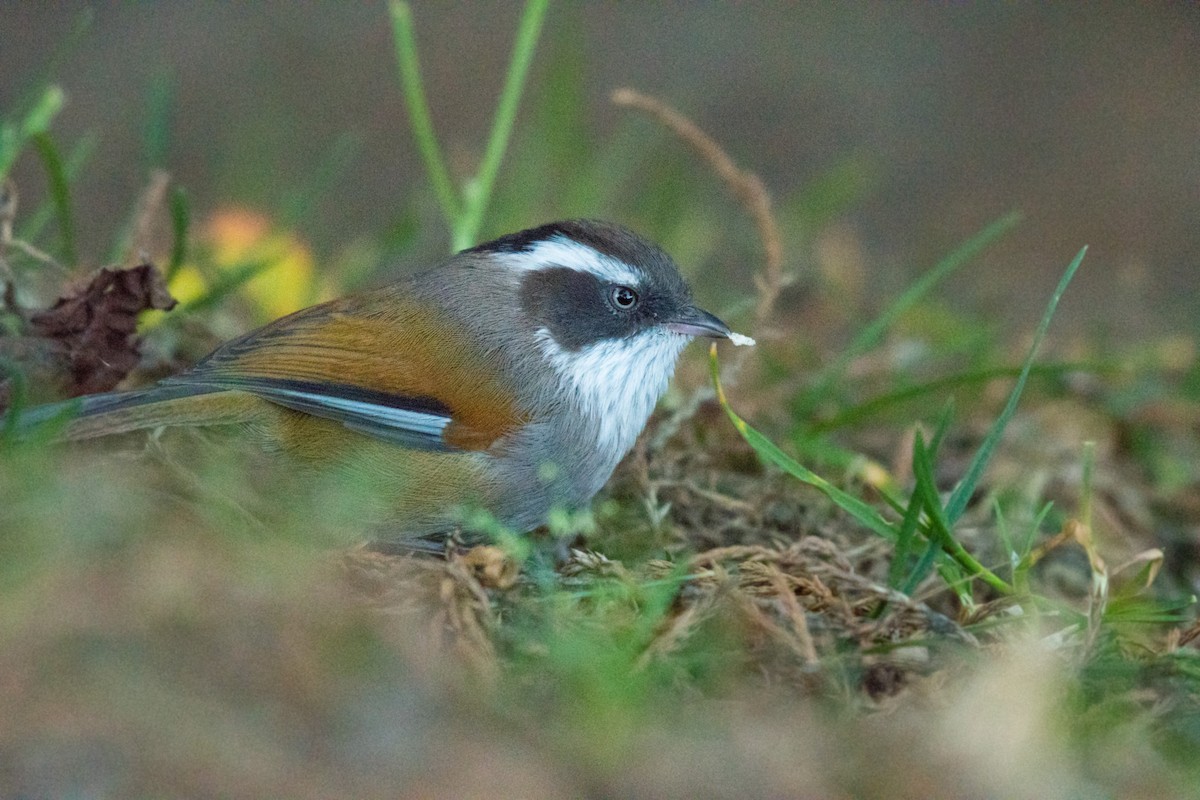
point(580, 308)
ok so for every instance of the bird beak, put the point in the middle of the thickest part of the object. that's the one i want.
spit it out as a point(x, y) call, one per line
point(693, 321)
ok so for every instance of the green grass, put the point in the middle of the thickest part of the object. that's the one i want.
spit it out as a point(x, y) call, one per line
point(981, 610)
point(464, 210)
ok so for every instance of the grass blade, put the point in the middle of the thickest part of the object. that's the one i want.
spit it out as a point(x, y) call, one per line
point(33, 225)
point(418, 110)
point(924, 566)
point(60, 193)
point(943, 425)
point(180, 219)
point(14, 136)
point(18, 391)
point(224, 285)
point(299, 205)
point(767, 451)
point(979, 378)
point(872, 333)
point(966, 487)
point(479, 191)
point(939, 526)
point(904, 542)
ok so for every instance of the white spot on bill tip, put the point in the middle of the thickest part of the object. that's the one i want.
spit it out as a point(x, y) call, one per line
point(741, 341)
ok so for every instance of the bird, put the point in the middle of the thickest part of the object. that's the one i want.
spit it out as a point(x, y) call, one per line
point(512, 378)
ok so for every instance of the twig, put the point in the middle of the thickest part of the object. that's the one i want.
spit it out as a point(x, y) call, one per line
point(676, 629)
point(745, 186)
point(744, 552)
point(8, 209)
point(149, 205)
point(749, 190)
point(34, 253)
point(723, 500)
point(8, 213)
point(795, 614)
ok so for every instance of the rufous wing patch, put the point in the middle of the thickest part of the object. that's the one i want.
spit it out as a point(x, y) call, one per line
point(380, 342)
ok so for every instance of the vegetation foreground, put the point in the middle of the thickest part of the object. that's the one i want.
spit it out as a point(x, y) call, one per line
point(900, 559)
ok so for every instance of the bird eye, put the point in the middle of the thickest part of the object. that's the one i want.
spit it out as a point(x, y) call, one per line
point(624, 298)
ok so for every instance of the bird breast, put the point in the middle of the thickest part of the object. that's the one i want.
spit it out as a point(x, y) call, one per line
point(610, 388)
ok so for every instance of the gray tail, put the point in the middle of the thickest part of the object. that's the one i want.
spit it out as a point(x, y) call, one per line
point(24, 421)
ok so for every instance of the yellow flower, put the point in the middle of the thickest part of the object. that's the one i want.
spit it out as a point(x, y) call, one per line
point(235, 241)
point(284, 279)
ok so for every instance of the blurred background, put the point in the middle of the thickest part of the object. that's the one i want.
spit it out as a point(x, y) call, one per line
point(175, 626)
point(918, 124)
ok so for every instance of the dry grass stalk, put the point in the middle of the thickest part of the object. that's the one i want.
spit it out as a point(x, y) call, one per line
point(8, 214)
point(150, 204)
point(745, 186)
point(445, 595)
point(676, 629)
point(786, 594)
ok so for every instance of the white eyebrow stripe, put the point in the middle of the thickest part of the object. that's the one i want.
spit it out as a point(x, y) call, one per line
point(562, 251)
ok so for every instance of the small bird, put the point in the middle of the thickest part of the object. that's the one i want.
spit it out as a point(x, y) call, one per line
point(513, 378)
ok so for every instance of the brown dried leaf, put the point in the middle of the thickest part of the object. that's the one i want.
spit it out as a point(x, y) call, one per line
point(96, 328)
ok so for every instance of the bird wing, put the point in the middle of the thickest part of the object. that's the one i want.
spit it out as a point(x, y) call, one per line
point(379, 363)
